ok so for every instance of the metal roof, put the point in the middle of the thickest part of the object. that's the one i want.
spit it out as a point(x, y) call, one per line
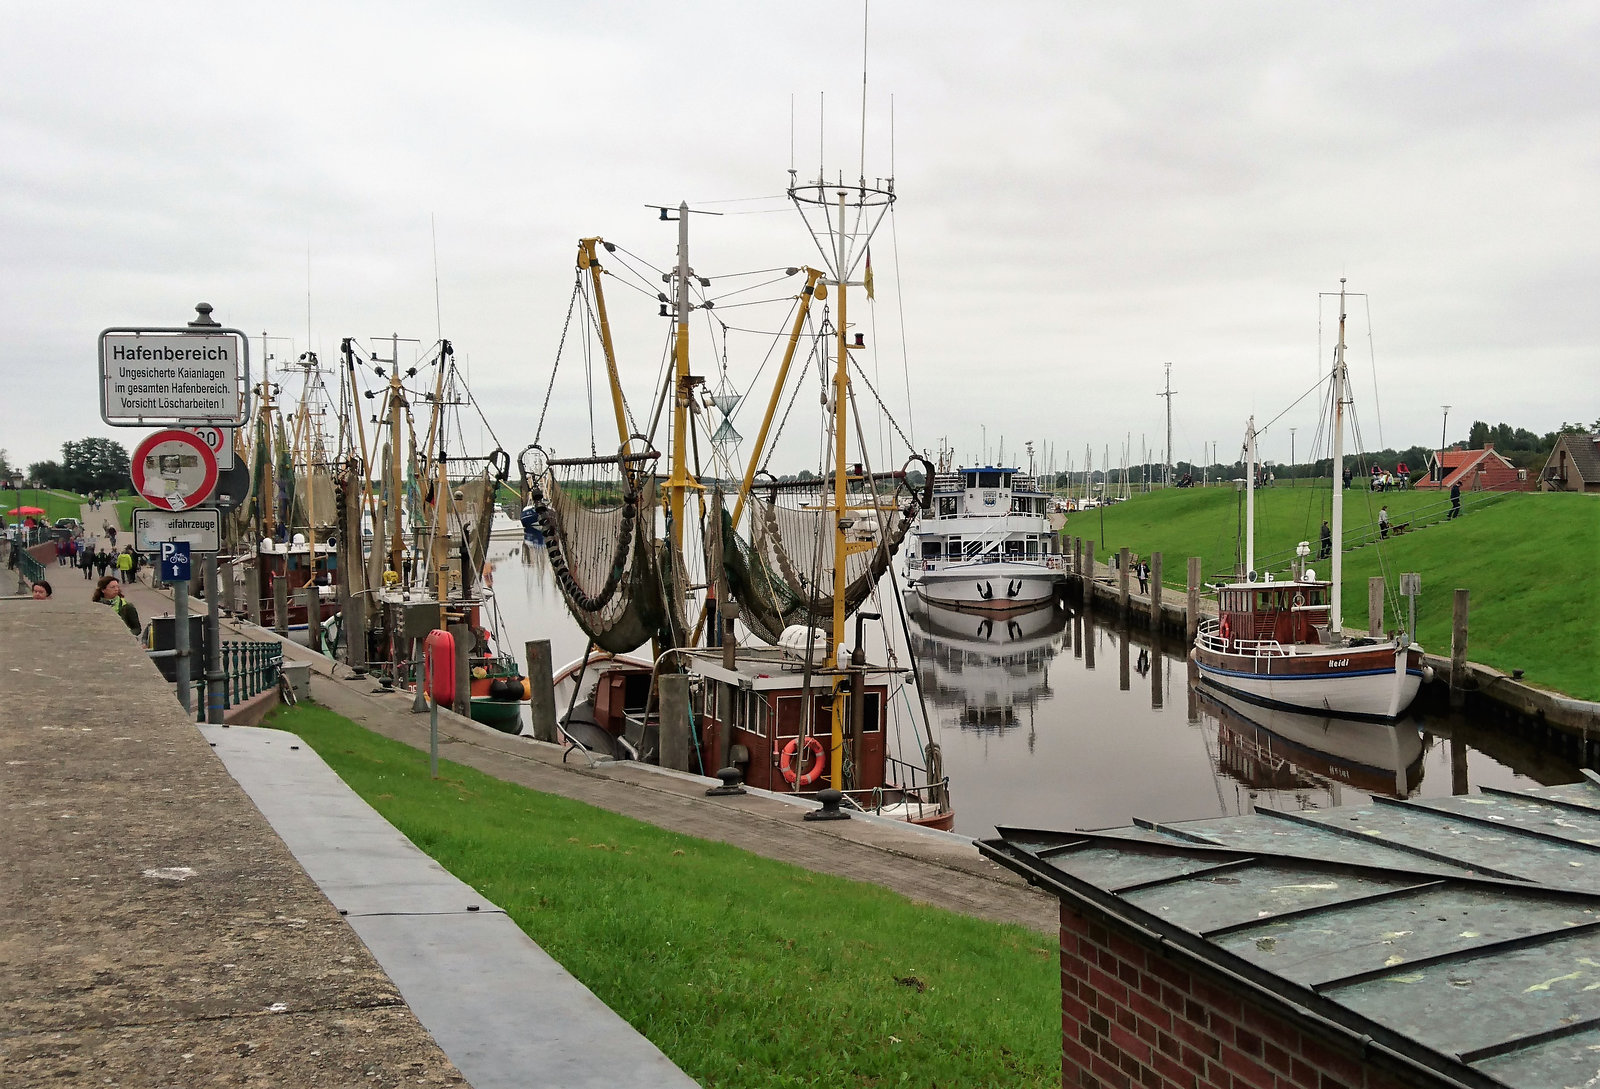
point(1460, 934)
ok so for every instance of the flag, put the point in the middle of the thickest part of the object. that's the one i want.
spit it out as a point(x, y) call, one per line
point(867, 279)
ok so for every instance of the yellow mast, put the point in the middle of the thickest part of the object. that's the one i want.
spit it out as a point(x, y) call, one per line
point(590, 261)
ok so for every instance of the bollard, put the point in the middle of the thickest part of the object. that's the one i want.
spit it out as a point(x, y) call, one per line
point(1192, 621)
point(1375, 605)
point(732, 783)
point(1458, 651)
point(1155, 591)
point(674, 689)
point(1122, 582)
point(830, 810)
point(541, 688)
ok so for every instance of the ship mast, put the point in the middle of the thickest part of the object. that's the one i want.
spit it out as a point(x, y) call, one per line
point(1249, 499)
point(681, 481)
point(1335, 612)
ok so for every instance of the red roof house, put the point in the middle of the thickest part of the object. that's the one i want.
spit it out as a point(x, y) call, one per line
point(1475, 470)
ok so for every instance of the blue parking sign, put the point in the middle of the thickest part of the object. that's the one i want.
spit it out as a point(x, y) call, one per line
point(174, 561)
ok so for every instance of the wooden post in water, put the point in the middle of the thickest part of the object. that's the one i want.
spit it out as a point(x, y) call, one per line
point(280, 604)
point(1458, 650)
point(1192, 621)
point(313, 617)
point(541, 688)
point(1088, 569)
point(1077, 556)
point(1157, 699)
point(1122, 659)
point(1155, 591)
point(462, 634)
point(1122, 582)
point(1375, 605)
point(674, 689)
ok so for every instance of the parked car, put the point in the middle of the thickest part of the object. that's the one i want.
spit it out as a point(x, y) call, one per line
point(69, 523)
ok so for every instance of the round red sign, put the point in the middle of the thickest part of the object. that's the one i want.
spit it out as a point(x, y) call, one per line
point(174, 470)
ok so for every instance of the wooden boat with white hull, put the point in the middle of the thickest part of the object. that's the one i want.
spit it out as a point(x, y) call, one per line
point(1283, 644)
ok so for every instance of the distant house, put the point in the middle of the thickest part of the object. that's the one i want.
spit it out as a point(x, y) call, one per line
point(1475, 470)
point(1574, 465)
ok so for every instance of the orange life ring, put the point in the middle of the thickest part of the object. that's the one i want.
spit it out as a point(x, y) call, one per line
point(786, 761)
point(1227, 632)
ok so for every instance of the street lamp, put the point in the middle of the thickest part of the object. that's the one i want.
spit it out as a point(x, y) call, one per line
point(1292, 430)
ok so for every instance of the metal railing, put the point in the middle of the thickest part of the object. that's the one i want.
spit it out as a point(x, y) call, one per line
point(31, 569)
point(1209, 635)
point(249, 669)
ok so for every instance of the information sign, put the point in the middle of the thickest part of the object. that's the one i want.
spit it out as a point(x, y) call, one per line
point(200, 529)
point(174, 561)
point(173, 469)
point(220, 439)
point(168, 376)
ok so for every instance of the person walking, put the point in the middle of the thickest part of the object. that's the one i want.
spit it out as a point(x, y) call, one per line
point(1383, 521)
point(111, 534)
point(1455, 500)
point(63, 546)
point(86, 559)
point(1327, 541)
point(103, 560)
point(124, 564)
point(109, 591)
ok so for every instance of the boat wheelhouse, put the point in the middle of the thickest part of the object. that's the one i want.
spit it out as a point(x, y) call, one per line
point(985, 542)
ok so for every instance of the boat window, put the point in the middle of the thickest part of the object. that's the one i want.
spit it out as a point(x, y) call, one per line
point(953, 547)
point(873, 719)
point(788, 724)
point(1005, 480)
point(712, 691)
point(1019, 506)
point(947, 506)
point(755, 713)
point(989, 480)
point(931, 550)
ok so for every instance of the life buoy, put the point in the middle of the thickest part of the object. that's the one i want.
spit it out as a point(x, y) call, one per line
point(1227, 632)
point(786, 763)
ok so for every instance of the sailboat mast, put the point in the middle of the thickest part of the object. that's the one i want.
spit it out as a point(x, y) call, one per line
point(841, 549)
point(1250, 498)
point(397, 540)
point(1335, 612)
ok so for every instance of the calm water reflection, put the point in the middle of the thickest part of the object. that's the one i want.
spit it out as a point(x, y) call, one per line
point(1056, 719)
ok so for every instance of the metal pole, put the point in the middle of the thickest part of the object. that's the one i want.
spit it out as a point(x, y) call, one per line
point(180, 643)
point(433, 736)
point(216, 678)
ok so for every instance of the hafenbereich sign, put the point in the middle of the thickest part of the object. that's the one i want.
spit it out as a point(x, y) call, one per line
point(159, 377)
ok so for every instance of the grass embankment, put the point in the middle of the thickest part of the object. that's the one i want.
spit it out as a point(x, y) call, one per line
point(56, 504)
point(744, 971)
point(1530, 560)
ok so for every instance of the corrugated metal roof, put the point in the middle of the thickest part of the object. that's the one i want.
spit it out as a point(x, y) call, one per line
point(1462, 933)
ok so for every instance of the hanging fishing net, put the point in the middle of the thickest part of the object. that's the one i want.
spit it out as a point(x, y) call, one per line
point(601, 543)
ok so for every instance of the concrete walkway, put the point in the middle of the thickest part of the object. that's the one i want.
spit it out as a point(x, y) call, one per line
point(508, 1015)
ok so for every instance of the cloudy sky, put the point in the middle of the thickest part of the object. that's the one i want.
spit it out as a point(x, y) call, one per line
point(1086, 192)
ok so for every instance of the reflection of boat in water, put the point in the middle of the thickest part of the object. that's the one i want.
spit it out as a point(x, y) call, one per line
point(1268, 748)
point(985, 667)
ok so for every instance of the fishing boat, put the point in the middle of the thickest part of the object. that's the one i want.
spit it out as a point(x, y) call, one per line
point(1282, 643)
point(747, 593)
point(985, 544)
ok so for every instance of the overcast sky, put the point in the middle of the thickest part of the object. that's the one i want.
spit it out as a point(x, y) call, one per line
point(1085, 191)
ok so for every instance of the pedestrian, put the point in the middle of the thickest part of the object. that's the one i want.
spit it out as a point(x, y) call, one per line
point(111, 534)
point(1455, 500)
point(86, 559)
point(103, 560)
point(108, 591)
point(42, 590)
point(124, 564)
point(1327, 541)
point(1383, 521)
point(63, 546)
point(1143, 571)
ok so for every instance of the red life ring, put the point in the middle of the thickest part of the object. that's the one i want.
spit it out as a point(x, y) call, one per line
point(1227, 632)
point(786, 761)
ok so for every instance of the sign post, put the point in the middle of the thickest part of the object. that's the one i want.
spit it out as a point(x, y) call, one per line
point(173, 470)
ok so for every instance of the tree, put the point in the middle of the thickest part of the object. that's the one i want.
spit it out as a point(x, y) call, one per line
point(1480, 434)
point(47, 474)
point(94, 464)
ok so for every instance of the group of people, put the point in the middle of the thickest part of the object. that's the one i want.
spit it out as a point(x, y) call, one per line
point(1383, 480)
point(81, 553)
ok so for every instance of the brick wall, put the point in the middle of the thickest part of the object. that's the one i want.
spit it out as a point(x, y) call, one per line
point(1132, 1017)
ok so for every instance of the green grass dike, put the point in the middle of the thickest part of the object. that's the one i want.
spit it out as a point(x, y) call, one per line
point(1531, 561)
point(743, 970)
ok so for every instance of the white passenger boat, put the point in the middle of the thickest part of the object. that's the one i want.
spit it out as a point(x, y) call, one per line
point(985, 543)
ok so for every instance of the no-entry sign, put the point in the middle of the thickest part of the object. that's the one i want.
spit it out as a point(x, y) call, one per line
point(173, 469)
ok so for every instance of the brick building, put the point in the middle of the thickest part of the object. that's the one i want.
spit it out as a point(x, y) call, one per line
point(1437, 942)
point(1475, 470)
point(1574, 465)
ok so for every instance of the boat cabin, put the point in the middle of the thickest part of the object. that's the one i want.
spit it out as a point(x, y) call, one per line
point(759, 704)
point(1007, 517)
point(1281, 612)
point(295, 563)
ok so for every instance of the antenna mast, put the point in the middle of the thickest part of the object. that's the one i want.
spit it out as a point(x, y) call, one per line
point(1167, 467)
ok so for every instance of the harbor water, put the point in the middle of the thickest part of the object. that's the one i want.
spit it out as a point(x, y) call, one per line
point(1058, 718)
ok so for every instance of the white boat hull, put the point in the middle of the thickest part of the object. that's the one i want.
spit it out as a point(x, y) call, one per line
point(1381, 689)
point(988, 586)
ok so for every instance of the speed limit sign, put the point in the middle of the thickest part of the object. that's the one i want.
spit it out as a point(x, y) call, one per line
point(219, 439)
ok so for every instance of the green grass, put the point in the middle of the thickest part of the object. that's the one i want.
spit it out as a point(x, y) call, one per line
point(744, 971)
point(1531, 561)
point(56, 504)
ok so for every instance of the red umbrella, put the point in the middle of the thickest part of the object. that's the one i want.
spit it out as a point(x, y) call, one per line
point(26, 510)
